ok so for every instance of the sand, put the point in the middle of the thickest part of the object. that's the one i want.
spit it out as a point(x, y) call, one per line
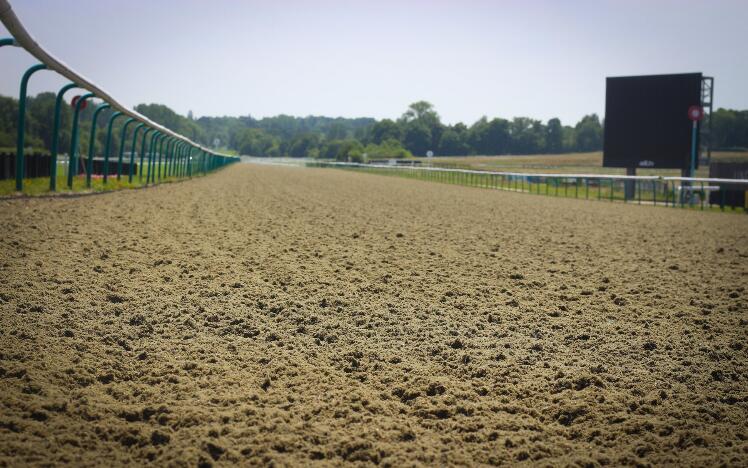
point(266, 315)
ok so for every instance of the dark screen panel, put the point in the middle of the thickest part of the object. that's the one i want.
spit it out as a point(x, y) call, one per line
point(646, 120)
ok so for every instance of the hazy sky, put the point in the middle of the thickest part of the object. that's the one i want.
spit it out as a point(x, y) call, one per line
point(372, 58)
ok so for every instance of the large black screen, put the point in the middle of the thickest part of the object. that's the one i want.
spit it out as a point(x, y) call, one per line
point(646, 120)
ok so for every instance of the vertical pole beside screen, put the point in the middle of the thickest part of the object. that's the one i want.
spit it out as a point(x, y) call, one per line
point(694, 130)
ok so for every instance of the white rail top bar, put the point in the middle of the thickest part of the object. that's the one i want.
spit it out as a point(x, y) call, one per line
point(24, 39)
point(540, 174)
point(299, 162)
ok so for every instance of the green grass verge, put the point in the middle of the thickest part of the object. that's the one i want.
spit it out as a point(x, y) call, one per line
point(40, 186)
point(645, 194)
point(579, 163)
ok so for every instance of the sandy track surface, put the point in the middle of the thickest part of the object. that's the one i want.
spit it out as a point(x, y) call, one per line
point(292, 315)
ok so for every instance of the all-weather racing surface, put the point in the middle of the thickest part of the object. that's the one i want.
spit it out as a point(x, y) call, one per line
point(297, 316)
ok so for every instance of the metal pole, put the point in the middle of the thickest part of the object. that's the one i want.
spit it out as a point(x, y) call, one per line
point(72, 166)
point(166, 139)
point(22, 123)
point(176, 147)
point(122, 144)
point(163, 154)
point(92, 142)
point(178, 158)
point(108, 144)
point(56, 135)
point(157, 157)
point(180, 163)
point(173, 170)
point(155, 139)
point(132, 151)
point(169, 154)
point(183, 161)
point(142, 153)
point(692, 171)
point(151, 148)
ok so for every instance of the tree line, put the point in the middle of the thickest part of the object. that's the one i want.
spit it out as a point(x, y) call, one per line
point(416, 132)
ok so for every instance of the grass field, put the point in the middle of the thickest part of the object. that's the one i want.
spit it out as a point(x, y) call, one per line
point(296, 316)
point(586, 163)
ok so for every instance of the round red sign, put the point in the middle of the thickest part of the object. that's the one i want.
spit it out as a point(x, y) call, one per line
point(695, 113)
point(75, 100)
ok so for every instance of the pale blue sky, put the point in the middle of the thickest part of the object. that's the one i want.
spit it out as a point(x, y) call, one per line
point(470, 58)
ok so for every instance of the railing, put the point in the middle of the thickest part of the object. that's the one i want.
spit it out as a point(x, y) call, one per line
point(684, 192)
point(167, 154)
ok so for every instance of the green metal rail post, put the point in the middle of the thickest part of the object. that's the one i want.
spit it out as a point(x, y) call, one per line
point(122, 144)
point(132, 150)
point(177, 155)
point(188, 159)
point(180, 161)
point(92, 142)
point(158, 159)
point(161, 155)
point(174, 170)
point(7, 41)
point(73, 164)
point(108, 145)
point(143, 148)
point(151, 147)
point(177, 158)
point(22, 122)
point(156, 151)
point(56, 135)
point(169, 154)
point(173, 157)
point(185, 160)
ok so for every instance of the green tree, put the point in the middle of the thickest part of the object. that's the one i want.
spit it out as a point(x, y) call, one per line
point(453, 143)
point(330, 149)
point(302, 145)
point(390, 148)
point(423, 113)
point(554, 136)
point(343, 150)
point(490, 137)
point(336, 131)
point(417, 138)
point(528, 136)
point(256, 142)
point(730, 129)
point(40, 114)
point(8, 121)
point(385, 129)
point(589, 133)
